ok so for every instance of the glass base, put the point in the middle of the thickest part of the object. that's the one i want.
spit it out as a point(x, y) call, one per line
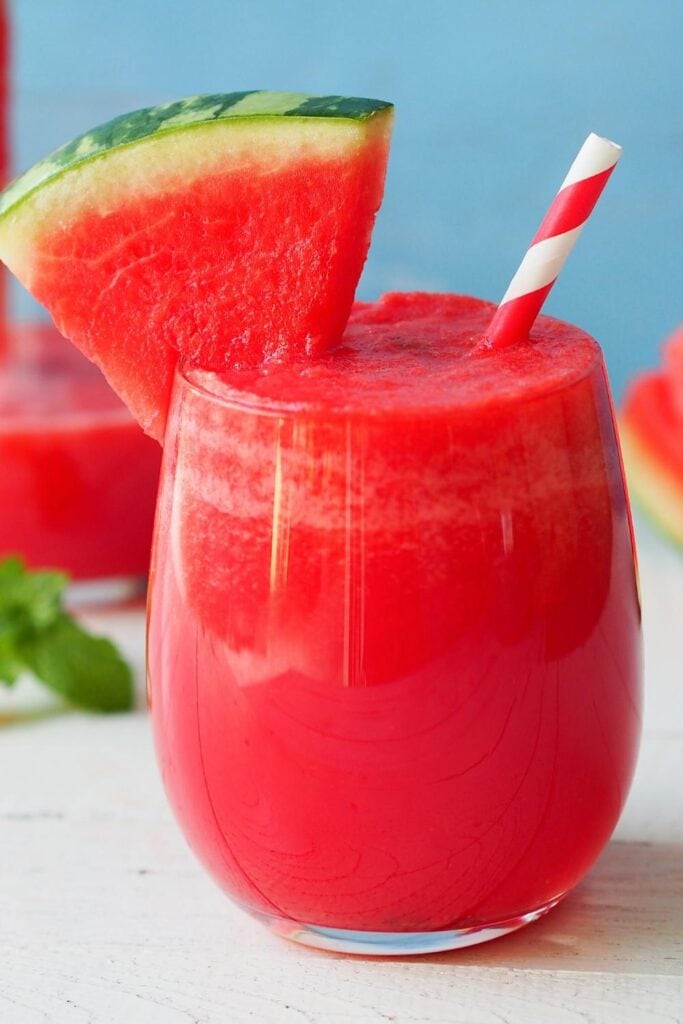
point(343, 940)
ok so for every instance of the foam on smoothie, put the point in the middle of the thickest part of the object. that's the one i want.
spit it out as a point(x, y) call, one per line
point(412, 351)
point(394, 427)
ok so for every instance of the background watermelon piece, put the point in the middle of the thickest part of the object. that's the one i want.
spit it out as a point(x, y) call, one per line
point(229, 230)
point(651, 431)
point(673, 368)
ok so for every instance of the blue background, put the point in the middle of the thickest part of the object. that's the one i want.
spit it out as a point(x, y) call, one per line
point(493, 99)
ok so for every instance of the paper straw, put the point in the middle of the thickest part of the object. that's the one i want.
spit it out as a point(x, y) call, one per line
point(554, 240)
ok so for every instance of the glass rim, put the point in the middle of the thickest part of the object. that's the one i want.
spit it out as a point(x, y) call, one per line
point(230, 397)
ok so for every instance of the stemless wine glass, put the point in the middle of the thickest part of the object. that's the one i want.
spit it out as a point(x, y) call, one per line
point(394, 653)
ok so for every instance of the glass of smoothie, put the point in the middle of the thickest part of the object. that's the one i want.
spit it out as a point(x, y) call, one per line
point(393, 624)
point(79, 477)
point(394, 628)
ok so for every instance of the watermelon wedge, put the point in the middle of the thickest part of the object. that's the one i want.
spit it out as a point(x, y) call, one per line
point(229, 230)
point(651, 431)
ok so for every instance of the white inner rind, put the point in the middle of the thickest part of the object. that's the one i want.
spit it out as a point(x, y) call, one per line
point(187, 113)
point(172, 161)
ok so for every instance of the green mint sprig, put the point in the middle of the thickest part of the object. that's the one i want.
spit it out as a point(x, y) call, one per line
point(39, 636)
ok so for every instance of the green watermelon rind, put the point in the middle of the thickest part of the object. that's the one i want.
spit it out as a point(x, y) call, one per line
point(193, 112)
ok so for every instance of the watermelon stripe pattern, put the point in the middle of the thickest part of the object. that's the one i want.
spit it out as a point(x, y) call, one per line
point(182, 114)
point(554, 240)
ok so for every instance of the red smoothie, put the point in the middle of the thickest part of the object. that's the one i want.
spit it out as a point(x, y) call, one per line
point(394, 644)
point(78, 475)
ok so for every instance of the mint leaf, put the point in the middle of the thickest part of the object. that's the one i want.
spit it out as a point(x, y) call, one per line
point(28, 600)
point(85, 670)
point(11, 665)
point(37, 635)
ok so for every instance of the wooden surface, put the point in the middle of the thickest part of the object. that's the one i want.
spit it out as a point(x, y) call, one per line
point(106, 917)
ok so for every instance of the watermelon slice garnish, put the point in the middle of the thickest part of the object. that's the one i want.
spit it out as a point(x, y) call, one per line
point(651, 432)
point(229, 230)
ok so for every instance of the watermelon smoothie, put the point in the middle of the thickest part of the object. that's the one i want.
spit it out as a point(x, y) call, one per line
point(394, 640)
point(79, 477)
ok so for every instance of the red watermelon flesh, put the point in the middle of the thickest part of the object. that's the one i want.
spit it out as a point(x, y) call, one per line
point(651, 410)
point(195, 243)
point(651, 430)
point(673, 365)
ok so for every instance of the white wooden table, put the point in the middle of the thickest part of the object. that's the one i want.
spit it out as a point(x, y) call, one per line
point(106, 917)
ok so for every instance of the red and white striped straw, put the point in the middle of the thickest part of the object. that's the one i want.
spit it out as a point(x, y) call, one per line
point(554, 240)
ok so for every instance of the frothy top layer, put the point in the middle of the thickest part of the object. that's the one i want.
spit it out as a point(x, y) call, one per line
point(410, 351)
